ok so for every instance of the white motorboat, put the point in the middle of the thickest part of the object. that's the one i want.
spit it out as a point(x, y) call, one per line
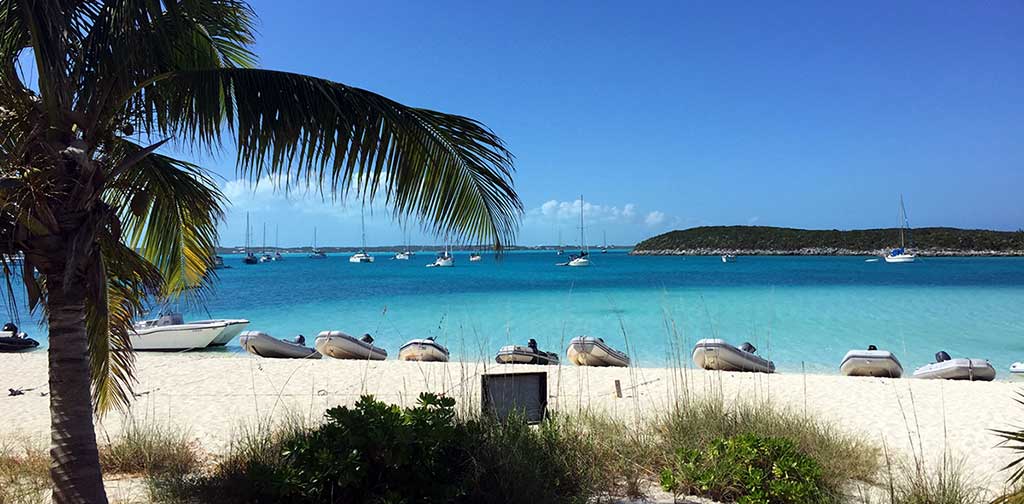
point(316, 253)
point(1017, 369)
point(339, 345)
point(401, 256)
point(871, 362)
point(264, 345)
point(717, 354)
point(591, 351)
point(946, 368)
point(475, 257)
point(529, 354)
point(728, 258)
point(424, 349)
point(169, 332)
point(579, 261)
point(233, 328)
point(362, 256)
point(901, 254)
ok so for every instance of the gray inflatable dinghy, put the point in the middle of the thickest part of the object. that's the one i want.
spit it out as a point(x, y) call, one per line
point(423, 350)
point(529, 354)
point(343, 346)
point(946, 368)
point(591, 351)
point(716, 354)
point(264, 345)
point(871, 362)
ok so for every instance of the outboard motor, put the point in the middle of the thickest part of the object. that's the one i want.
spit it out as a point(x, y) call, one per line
point(747, 347)
point(300, 340)
point(942, 356)
point(533, 345)
point(11, 328)
point(367, 338)
point(872, 347)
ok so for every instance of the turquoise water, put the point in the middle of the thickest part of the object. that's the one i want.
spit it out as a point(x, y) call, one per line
point(799, 311)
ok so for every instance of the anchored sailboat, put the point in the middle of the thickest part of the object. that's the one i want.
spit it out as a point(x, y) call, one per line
point(316, 253)
point(583, 258)
point(362, 256)
point(901, 254)
point(249, 257)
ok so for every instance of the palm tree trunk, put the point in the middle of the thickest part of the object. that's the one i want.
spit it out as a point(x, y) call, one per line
point(74, 458)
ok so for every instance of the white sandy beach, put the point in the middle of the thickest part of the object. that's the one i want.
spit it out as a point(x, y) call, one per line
point(213, 395)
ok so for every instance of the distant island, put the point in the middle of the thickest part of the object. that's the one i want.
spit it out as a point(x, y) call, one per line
point(764, 240)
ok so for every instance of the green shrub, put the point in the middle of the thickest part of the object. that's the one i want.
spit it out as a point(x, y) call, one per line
point(377, 452)
point(748, 469)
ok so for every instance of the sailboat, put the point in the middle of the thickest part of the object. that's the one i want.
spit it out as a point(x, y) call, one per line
point(404, 254)
point(444, 259)
point(249, 257)
point(277, 244)
point(583, 258)
point(475, 256)
point(316, 253)
point(265, 256)
point(362, 256)
point(560, 250)
point(604, 247)
point(901, 254)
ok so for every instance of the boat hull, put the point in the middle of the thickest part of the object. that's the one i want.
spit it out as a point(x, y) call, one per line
point(1017, 369)
point(10, 344)
point(423, 350)
point(516, 354)
point(591, 351)
point(957, 369)
point(231, 331)
point(264, 345)
point(877, 363)
point(173, 338)
point(340, 345)
point(901, 258)
point(579, 263)
point(718, 355)
point(361, 258)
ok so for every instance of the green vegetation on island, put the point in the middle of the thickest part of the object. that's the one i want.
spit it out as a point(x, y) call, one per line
point(714, 240)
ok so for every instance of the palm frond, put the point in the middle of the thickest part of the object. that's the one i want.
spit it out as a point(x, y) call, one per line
point(169, 210)
point(124, 280)
point(450, 171)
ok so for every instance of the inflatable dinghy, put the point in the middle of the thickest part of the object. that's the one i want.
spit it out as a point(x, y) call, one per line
point(1017, 368)
point(871, 362)
point(264, 345)
point(591, 351)
point(946, 368)
point(343, 346)
point(716, 354)
point(424, 350)
point(529, 354)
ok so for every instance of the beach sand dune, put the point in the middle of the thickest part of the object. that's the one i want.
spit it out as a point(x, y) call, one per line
point(215, 395)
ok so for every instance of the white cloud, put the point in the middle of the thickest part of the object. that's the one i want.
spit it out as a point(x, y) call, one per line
point(271, 195)
point(555, 212)
point(753, 220)
point(654, 218)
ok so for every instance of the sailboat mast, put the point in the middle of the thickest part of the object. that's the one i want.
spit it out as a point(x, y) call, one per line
point(902, 218)
point(264, 251)
point(277, 237)
point(583, 240)
point(362, 218)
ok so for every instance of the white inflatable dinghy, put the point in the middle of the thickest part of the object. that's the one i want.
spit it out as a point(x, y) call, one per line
point(264, 345)
point(529, 354)
point(716, 354)
point(425, 350)
point(343, 346)
point(591, 351)
point(1017, 368)
point(945, 368)
point(871, 362)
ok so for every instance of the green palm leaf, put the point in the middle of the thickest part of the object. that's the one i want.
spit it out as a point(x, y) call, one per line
point(448, 170)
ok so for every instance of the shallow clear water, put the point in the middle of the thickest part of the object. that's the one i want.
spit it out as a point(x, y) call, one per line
point(799, 311)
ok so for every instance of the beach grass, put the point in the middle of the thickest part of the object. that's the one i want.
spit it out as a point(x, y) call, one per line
point(145, 448)
point(697, 422)
point(24, 471)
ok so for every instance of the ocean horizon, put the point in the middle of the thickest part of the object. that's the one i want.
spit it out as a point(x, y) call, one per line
point(802, 312)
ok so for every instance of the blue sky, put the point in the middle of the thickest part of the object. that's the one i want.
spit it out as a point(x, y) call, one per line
point(674, 114)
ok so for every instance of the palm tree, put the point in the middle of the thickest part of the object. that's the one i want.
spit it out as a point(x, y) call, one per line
point(106, 223)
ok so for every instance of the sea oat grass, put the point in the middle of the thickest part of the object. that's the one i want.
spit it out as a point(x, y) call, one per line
point(24, 471)
point(150, 449)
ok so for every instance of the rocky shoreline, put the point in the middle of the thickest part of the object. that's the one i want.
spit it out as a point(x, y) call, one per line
point(826, 251)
